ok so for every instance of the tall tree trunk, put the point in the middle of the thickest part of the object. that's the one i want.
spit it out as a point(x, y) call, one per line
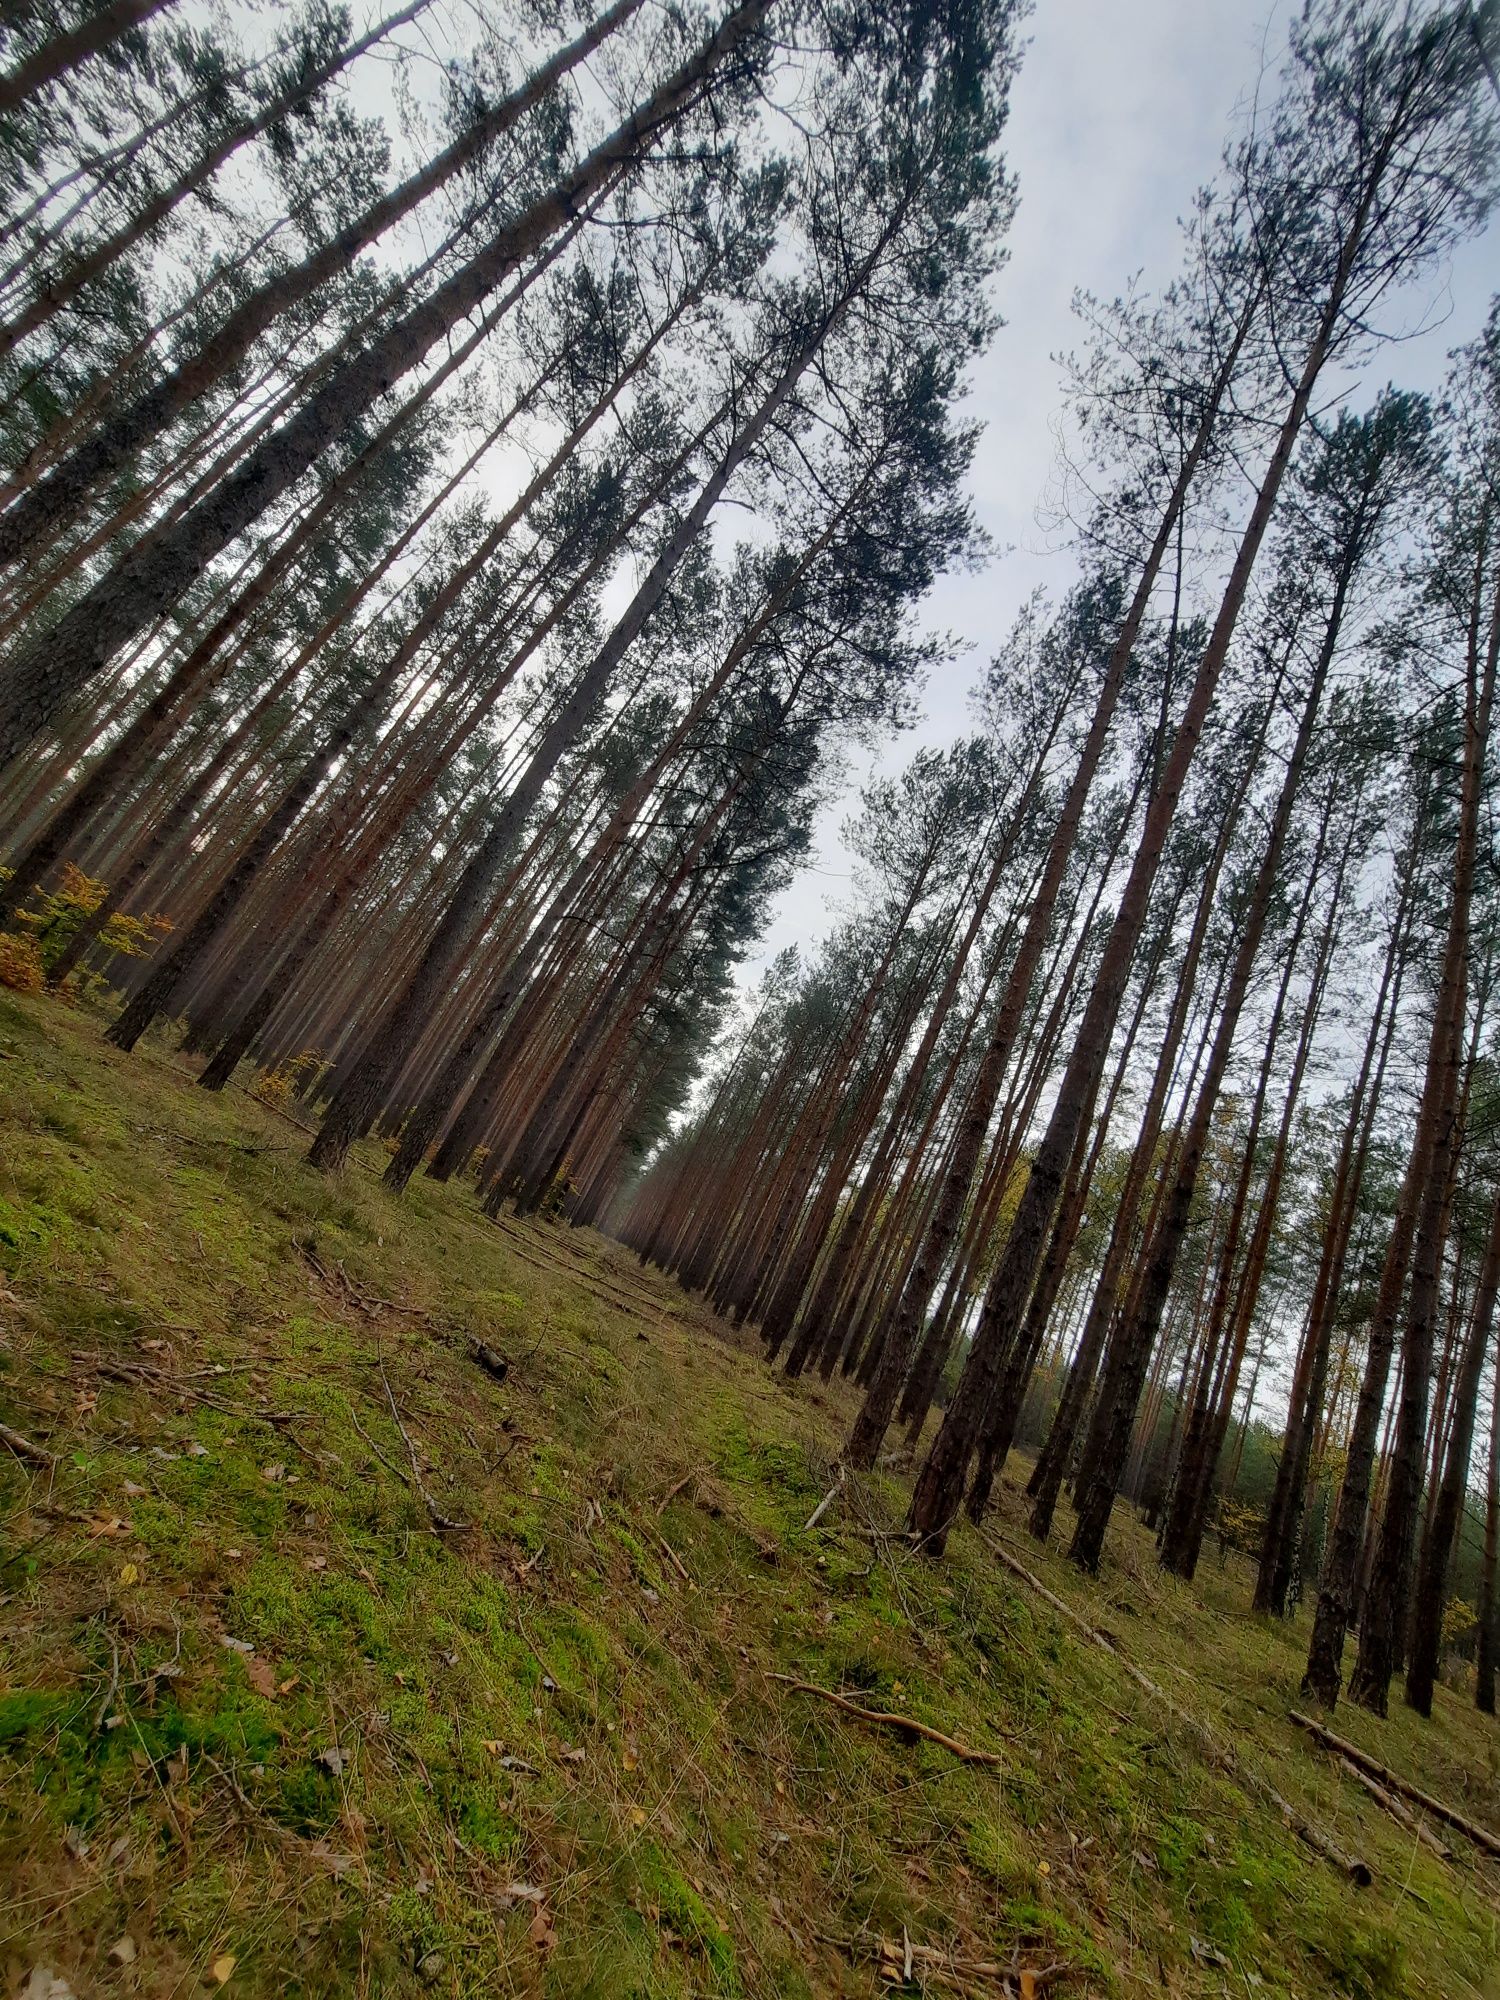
point(154, 574)
point(55, 58)
point(1385, 1603)
point(1430, 1594)
point(1284, 1518)
point(357, 1101)
point(41, 515)
point(55, 292)
point(1489, 1599)
point(939, 1486)
point(1128, 1354)
point(870, 1426)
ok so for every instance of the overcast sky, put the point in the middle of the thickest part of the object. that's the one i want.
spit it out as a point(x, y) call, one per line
point(1119, 114)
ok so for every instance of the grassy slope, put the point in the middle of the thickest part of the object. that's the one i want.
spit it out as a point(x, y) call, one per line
point(571, 1698)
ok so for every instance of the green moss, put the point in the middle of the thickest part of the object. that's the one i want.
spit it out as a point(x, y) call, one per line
point(1367, 1960)
point(546, 1698)
point(686, 1914)
point(31, 1710)
point(995, 1852)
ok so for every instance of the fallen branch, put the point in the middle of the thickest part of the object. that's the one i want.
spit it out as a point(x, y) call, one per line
point(439, 1520)
point(372, 1303)
point(676, 1561)
point(672, 1491)
point(1401, 1814)
point(887, 1719)
point(950, 1968)
point(180, 1385)
point(192, 1139)
point(33, 1454)
point(114, 1685)
point(824, 1504)
point(1471, 1829)
point(640, 1302)
point(1359, 1872)
point(339, 1280)
point(389, 1463)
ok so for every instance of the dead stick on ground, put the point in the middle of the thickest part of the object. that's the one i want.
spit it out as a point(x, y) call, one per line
point(439, 1520)
point(389, 1463)
point(371, 1302)
point(824, 1504)
point(672, 1491)
point(33, 1454)
point(1401, 1814)
point(676, 1561)
point(1471, 1829)
point(1358, 1871)
point(887, 1719)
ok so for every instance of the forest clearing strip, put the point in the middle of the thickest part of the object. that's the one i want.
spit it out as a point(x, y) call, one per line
point(575, 1268)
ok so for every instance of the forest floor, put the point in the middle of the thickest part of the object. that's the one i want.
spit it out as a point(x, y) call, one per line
point(268, 1726)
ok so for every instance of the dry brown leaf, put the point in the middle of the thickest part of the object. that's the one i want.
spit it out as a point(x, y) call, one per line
point(1028, 1985)
point(262, 1677)
point(541, 1933)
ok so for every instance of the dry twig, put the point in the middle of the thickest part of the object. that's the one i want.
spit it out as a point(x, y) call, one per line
point(439, 1520)
point(33, 1454)
point(907, 1725)
point(672, 1491)
point(824, 1504)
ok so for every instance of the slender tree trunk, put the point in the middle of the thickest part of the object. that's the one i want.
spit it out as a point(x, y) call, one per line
point(57, 291)
point(939, 1486)
point(1384, 1610)
point(54, 59)
point(43, 513)
point(357, 1101)
point(1284, 1519)
point(1430, 1594)
point(1489, 1607)
point(874, 1418)
point(155, 573)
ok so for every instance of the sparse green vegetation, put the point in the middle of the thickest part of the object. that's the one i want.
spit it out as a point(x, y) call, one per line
point(252, 1705)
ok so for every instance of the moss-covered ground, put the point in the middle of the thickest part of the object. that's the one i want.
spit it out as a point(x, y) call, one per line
point(265, 1728)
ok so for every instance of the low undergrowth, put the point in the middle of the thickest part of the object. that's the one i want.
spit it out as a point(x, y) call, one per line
point(329, 1663)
